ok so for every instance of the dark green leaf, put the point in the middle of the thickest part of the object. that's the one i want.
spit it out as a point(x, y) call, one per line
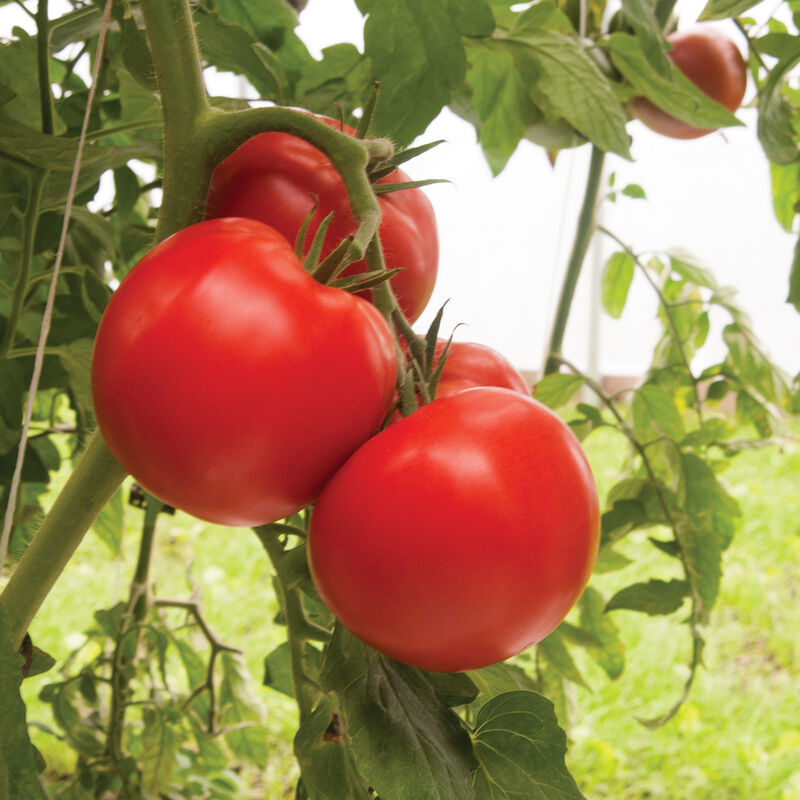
point(557, 389)
point(706, 501)
point(414, 88)
point(18, 763)
point(752, 365)
point(794, 279)
point(322, 747)
point(76, 358)
point(611, 657)
point(11, 392)
point(339, 80)
point(776, 112)
point(521, 750)
point(452, 688)
point(654, 597)
point(232, 48)
point(472, 18)
point(136, 55)
point(616, 283)
point(384, 701)
point(554, 649)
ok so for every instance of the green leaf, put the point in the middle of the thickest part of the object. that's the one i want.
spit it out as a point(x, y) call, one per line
point(340, 78)
point(76, 358)
point(266, 20)
point(794, 279)
point(159, 750)
point(654, 597)
point(323, 751)
point(635, 191)
point(110, 522)
point(777, 115)
point(278, 667)
point(501, 98)
point(785, 193)
point(18, 763)
point(655, 414)
point(11, 393)
point(452, 688)
point(385, 701)
point(705, 500)
point(611, 657)
point(554, 649)
point(610, 561)
point(558, 388)
point(702, 554)
point(521, 750)
point(616, 283)
point(692, 269)
point(417, 86)
point(640, 14)
point(229, 47)
point(240, 705)
point(558, 69)
point(722, 9)
point(676, 94)
point(753, 366)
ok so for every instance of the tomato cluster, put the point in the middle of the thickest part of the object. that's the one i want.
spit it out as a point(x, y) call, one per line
point(234, 386)
point(713, 63)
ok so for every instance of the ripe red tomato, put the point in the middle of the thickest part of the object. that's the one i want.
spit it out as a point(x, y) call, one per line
point(274, 178)
point(713, 63)
point(461, 535)
point(231, 384)
point(470, 364)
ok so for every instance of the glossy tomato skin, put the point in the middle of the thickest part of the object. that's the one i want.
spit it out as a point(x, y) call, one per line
point(470, 364)
point(228, 382)
point(275, 178)
point(459, 536)
point(713, 63)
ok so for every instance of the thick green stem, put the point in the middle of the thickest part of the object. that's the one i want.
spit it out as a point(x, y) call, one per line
point(43, 59)
point(349, 156)
point(96, 477)
point(187, 168)
point(36, 179)
point(583, 235)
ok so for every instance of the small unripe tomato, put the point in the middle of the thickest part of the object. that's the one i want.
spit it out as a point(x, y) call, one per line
point(713, 63)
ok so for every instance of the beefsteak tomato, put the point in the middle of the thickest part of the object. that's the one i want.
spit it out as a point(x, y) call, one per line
point(470, 364)
point(713, 63)
point(231, 384)
point(276, 178)
point(461, 535)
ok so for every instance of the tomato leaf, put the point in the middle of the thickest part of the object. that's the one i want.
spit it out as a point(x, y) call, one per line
point(326, 759)
point(794, 279)
point(19, 766)
point(159, 744)
point(554, 649)
point(430, 757)
point(617, 280)
point(558, 388)
point(498, 679)
point(786, 193)
point(521, 750)
point(416, 87)
point(702, 555)
point(241, 706)
point(640, 14)
point(110, 522)
point(611, 656)
point(654, 597)
point(777, 114)
point(722, 9)
point(656, 414)
point(675, 94)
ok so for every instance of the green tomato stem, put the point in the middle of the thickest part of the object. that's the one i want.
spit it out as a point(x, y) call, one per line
point(583, 236)
point(43, 59)
point(96, 477)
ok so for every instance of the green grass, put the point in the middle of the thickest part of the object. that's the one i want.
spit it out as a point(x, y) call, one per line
point(738, 736)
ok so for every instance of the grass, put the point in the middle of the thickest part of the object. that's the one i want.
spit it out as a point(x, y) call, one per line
point(738, 736)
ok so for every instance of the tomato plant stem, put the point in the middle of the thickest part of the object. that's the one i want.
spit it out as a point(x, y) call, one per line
point(43, 59)
point(96, 477)
point(580, 245)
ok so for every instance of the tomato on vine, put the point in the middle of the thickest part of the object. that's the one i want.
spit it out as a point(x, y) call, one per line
point(231, 384)
point(276, 178)
point(713, 63)
point(461, 535)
